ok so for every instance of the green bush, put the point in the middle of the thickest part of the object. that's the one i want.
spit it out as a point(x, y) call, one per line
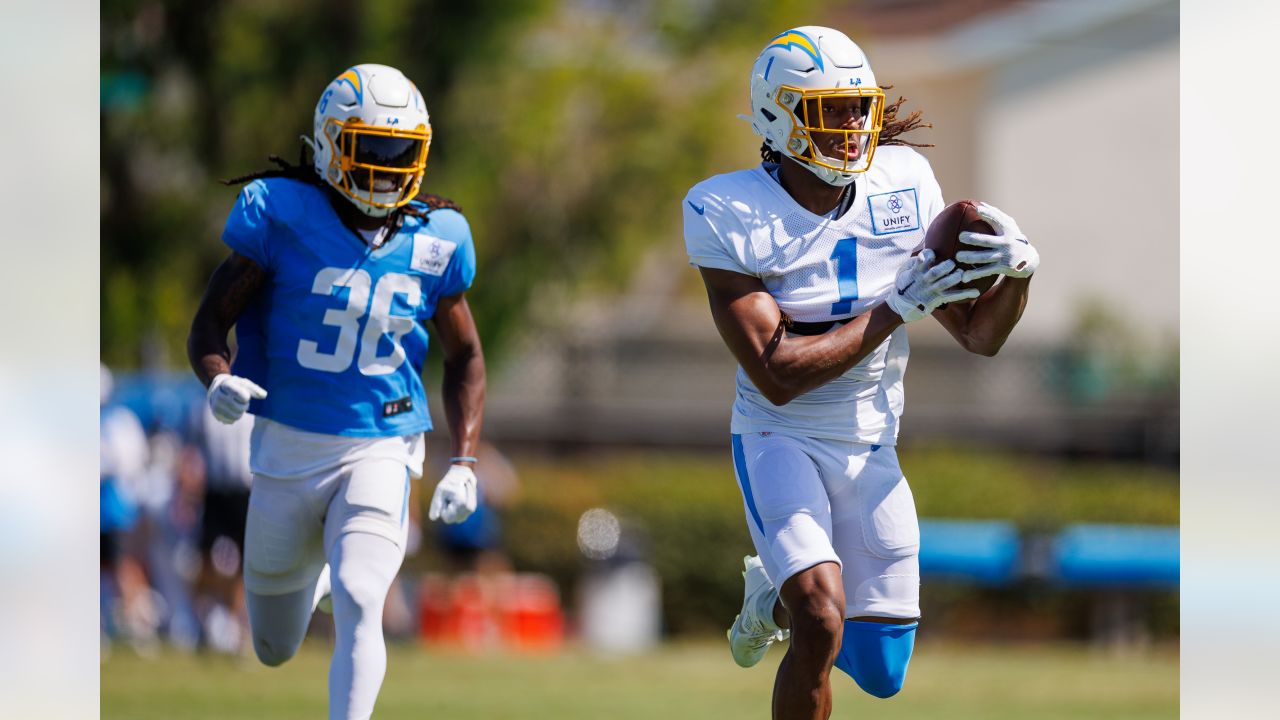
point(687, 508)
point(690, 511)
point(1036, 491)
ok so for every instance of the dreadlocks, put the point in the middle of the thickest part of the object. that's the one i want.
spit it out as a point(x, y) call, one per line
point(304, 172)
point(892, 128)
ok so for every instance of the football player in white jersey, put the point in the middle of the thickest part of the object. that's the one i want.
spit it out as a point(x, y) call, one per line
point(807, 261)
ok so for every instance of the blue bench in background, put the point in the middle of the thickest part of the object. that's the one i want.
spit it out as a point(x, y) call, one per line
point(982, 551)
point(1132, 556)
point(994, 553)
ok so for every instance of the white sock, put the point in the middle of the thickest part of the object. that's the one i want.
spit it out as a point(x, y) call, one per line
point(323, 587)
point(363, 567)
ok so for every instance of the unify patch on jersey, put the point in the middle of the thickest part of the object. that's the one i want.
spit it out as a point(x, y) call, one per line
point(894, 212)
point(395, 407)
point(431, 254)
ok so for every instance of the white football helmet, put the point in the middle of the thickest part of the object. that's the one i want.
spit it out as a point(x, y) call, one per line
point(798, 86)
point(371, 138)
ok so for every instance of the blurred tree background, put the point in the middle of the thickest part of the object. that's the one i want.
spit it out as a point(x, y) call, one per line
point(567, 131)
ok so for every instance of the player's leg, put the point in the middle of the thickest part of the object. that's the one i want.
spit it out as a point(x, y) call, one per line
point(279, 623)
point(877, 536)
point(284, 557)
point(791, 527)
point(814, 601)
point(365, 535)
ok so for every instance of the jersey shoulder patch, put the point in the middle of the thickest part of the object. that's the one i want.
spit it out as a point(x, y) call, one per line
point(442, 248)
point(431, 255)
point(894, 192)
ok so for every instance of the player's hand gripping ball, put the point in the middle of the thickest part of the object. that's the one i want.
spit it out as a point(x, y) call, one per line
point(455, 496)
point(923, 286)
point(997, 246)
point(1007, 252)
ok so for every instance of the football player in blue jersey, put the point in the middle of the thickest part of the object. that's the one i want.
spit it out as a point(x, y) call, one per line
point(809, 269)
point(333, 274)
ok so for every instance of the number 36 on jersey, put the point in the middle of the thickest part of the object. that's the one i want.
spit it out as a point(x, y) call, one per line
point(376, 318)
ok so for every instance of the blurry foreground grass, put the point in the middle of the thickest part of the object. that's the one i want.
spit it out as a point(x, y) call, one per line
point(685, 680)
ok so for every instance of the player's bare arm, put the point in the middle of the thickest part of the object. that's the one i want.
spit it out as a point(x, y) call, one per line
point(231, 288)
point(464, 374)
point(981, 326)
point(785, 366)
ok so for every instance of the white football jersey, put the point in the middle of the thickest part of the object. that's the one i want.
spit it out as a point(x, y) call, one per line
point(821, 269)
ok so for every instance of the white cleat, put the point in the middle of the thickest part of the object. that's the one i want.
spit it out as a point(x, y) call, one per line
point(754, 630)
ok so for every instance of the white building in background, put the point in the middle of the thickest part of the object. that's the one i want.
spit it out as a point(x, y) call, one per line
point(1065, 114)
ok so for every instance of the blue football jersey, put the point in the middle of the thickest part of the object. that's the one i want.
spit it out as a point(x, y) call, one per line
point(337, 336)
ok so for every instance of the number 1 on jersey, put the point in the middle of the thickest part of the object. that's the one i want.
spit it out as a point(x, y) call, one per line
point(845, 256)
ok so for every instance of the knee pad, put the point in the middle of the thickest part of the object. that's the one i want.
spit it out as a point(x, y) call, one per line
point(876, 654)
point(282, 547)
point(272, 652)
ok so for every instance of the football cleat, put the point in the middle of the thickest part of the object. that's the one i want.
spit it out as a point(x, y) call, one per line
point(754, 630)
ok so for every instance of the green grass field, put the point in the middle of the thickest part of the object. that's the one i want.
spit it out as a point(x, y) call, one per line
point(685, 680)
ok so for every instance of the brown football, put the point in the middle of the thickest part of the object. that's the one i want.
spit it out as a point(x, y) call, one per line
point(943, 237)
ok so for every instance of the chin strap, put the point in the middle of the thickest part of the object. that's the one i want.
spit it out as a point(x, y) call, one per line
point(846, 199)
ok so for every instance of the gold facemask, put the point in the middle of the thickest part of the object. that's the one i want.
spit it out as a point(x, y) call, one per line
point(376, 160)
point(863, 135)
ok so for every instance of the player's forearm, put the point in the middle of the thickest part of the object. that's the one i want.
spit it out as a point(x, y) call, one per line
point(207, 348)
point(800, 364)
point(995, 314)
point(209, 358)
point(463, 393)
point(231, 288)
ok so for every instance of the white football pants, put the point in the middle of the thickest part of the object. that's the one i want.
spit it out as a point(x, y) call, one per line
point(810, 501)
point(355, 519)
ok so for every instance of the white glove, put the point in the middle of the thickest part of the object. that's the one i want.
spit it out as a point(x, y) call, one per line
point(455, 496)
point(1010, 252)
point(229, 396)
point(920, 289)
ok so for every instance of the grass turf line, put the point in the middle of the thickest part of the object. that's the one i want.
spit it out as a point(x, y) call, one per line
point(681, 680)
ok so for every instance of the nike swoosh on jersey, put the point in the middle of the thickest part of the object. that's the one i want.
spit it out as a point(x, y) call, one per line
point(700, 209)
